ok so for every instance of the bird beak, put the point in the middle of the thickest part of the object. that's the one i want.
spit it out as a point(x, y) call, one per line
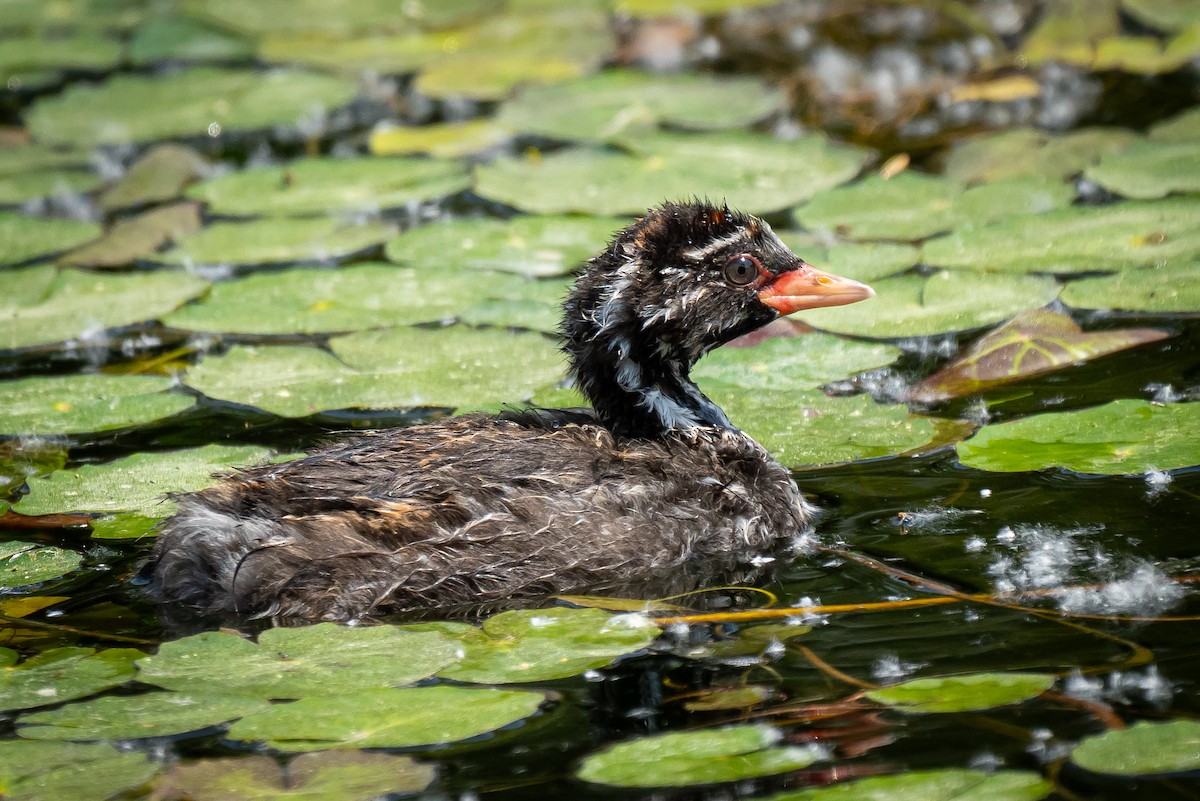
point(806, 287)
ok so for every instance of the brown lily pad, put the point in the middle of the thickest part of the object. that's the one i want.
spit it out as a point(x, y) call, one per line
point(1035, 342)
point(137, 237)
point(161, 174)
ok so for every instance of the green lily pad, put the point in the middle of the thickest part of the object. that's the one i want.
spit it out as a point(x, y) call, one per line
point(137, 237)
point(1068, 30)
point(41, 771)
point(602, 107)
point(682, 759)
point(323, 185)
point(335, 17)
point(34, 157)
point(543, 644)
point(862, 261)
point(802, 428)
point(909, 206)
point(441, 140)
point(136, 483)
point(962, 693)
point(326, 659)
point(123, 526)
point(671, 8)
point(276, 241)
point(22, 187)
point(86, 51)
point(793, 363)
point(23, 238)
point(1081, 239)
point(121, 717)
point(75, 303)
point(486, 78)
point(1145, 55)
point(944, 302)
point(174, 37)
point(1144, 749)
point(536, 247)
point(84, 403)
point(1033, 343)
point(948, 784)
point(1118, 438)
point(1026, 151)
point(137, 108)
point(399, 368)
point(25, 458)
point(324, 776)
point(752, 172)
point(26, 563)
point(62, 674)
point(528, 305)
point(1174, 289)
point(159, 175)
point(1149, 170)
point(383, 54)
point(1183, 127)
point(387, 718)
point(310, 301)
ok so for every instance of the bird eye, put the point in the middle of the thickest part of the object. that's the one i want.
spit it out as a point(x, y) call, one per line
point(741, 269)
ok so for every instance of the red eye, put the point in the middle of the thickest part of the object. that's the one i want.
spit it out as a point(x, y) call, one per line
point(741, 269)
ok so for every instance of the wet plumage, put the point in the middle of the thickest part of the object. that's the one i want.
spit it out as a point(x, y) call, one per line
point(654, 487)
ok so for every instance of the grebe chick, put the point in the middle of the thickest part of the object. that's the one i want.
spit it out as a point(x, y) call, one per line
point(652, 483)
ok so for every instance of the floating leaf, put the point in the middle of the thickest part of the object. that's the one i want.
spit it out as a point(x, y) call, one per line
point(122, 717)
point(323, 185)
point(123, 526)
point(728, 698)
point(276, 241)
point(23, 238)
point(136, 483)
point(26, 563)
point(543, 644)
point(1167, 15)
point(397, 368)
point(681, 759)
point(24, 458)
point(384, 54)
point(909, 206)
point(137, 108)
point(1026, 151)
point(793, 363)
point(948, 784)
point(1174, 289)
point(174, 37)
point(751, 172)
point(159, 175)
point(1149, 170)
point(387, 718)
point(866, 262)
point(39, 52)
point(962, 693)
point(1144, 749)
point(538, 246)
point(1122, 437)
point(442, 140)
point(668, 8)
point(328, 776)
point(1184, 127)
point(334, 17)
point(364, 296)
point(1033, 343)
point(75, 303)
point(492, 77)
point(137, 237)
point(602, 107)
point(23, 187)
point(84, 403)
point(33, 771)
point(62, 674)
point(1068, 30)
point(37, 157)
point(326, 659)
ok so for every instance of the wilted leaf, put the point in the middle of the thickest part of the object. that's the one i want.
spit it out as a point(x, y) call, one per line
point(137, 237)
point(161, 174)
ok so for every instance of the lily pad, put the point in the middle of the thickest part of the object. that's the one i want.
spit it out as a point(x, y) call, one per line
point(948, 784)
point(40, 52)
point(136, 483)
point(22, 187)
point(1174, 289)
point(39, 771)
point(131, 717)
point(399, 368)
point(1033, 343)
point(175, 37)
point(62, 674)
point(36, 157)
point(137, 237)
point(324, 185)
point(1026, 151)
point(808, 428)
point(536, 247)
point(387, 718)
point(944, 302)
point(159, 175)
point(862, 261)
point(335, 17)
point(441, 140)
point(326, 776)
point(1144, 749)
point(1149, 170)
point(682, 759)
point(24, 458)
point(543, 644)
point(310, 301)
point(75, 303)
point(276, 241)
point(491, 77)
point(137, 108)
point(383, 54)
point(962, 693)
point(326, 659)
point(752, 172)
point(1166, 15)
point(671, 8)
point(1118, 438)
point(909, 206)
point(1184, 127)
point(602, 107)
point(23, 238)
point(1080, 239)
point(84, 403)
point(793, 363)
point(26, 563)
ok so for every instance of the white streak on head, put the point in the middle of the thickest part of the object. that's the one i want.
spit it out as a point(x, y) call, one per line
point(700, 254)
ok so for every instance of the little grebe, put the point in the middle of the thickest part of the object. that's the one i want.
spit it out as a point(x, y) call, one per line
point(481, 509)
